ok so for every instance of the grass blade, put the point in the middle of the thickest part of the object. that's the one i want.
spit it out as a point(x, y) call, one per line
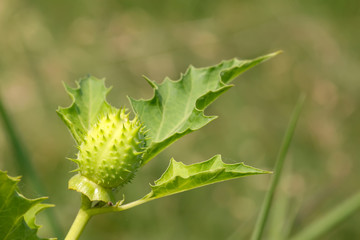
point(327, 222)
point(25, 166)
point(264, 213)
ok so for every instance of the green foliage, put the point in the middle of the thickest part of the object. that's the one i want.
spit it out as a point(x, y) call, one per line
point(106, 140)
point(17, 213)
point(177, 107)
point(41, 46)
point(112, 148)
point(179, 177)
point(88, 105)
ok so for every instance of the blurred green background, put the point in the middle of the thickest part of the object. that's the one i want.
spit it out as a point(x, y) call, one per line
point(44, 43)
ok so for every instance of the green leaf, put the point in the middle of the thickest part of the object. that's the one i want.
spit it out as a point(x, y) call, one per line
point(180, 177)
point(25, 165)
point(17, 213)
point(177, 107)
point(89, 104)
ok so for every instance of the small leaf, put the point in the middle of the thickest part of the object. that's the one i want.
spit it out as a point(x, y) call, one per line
point(177, 107)
point(89, 104)
point(180, 177)
point(17, 213)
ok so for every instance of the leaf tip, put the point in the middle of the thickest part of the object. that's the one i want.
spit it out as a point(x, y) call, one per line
point(271, 55)
point(277, 52)
point(152, 83)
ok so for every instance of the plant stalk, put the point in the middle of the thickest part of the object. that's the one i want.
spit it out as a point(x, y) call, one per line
point(82, 218)
point(265, 210)
point(97, 211)
point(86, 212)
point(331, 219)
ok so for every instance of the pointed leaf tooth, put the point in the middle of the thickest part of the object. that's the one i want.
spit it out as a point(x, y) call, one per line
point(71, 90)
point(151, 83)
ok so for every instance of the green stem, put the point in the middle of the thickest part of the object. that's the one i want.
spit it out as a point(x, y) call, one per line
point(264, 213)
point(82, 218)
point(96, 211)
point(86, 212)
point(327, 222)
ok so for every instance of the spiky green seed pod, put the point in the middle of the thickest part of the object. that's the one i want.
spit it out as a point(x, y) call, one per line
point(112, 150)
